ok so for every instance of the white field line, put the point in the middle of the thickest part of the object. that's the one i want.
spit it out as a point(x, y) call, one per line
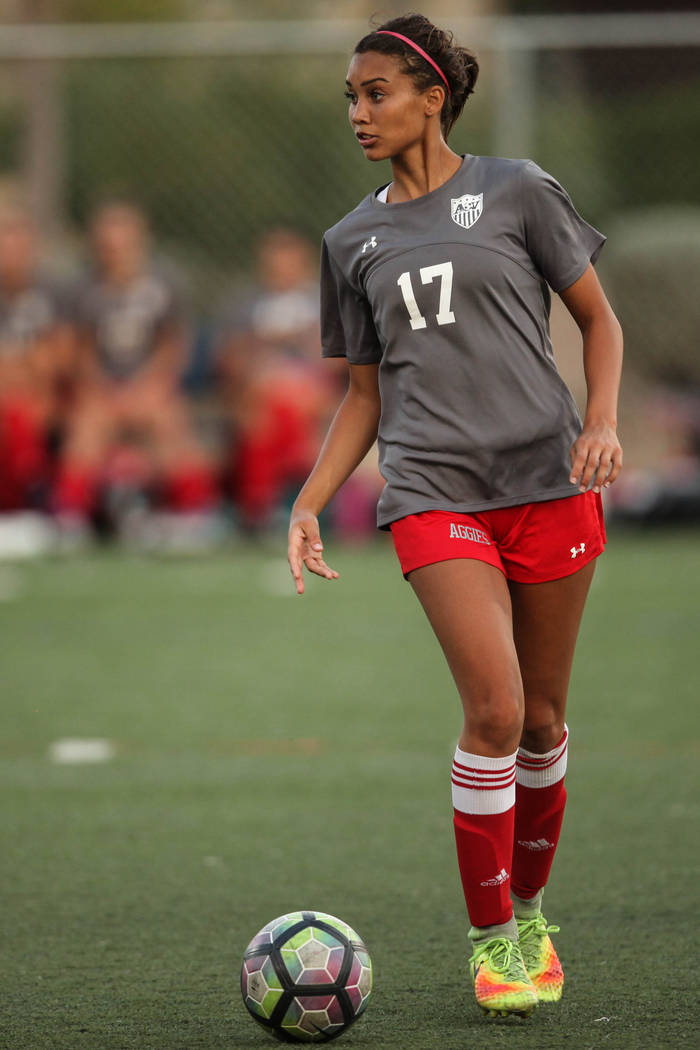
point(74, 751)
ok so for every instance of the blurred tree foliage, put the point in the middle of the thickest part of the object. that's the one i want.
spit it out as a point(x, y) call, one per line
point(119, 10)
point(216, 154)
point(176, 10)
point(11, 131)
point(652, 266)
point(624, 151)
point(213, 156)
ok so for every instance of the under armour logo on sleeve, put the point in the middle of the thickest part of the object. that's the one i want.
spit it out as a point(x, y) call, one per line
point(371, 243)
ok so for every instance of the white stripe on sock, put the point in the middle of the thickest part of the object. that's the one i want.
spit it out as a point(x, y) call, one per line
point(483, 785)
point(540, 771)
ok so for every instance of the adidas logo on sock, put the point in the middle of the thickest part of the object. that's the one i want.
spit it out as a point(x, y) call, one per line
point(536, 847)
point(497, 880)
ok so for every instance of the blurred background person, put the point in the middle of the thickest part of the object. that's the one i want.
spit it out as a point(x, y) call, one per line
point(131, 439)
point(36, 362)
point(277, 393)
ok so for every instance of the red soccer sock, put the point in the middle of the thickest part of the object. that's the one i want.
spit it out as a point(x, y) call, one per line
point(23, 463)
point(540, 797)
point(192, 488)
point(76, 490)
point(483, 795)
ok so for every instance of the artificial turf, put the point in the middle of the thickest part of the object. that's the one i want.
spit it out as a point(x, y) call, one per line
point(276, 753)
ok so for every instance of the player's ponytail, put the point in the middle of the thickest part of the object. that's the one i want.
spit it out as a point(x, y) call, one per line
point(464, 69)
point(457, 68)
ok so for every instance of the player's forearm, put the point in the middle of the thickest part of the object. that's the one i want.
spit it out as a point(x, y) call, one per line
point(350, 437)
point(602, 362)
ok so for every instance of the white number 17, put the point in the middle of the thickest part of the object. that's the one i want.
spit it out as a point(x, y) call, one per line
point(427, 274)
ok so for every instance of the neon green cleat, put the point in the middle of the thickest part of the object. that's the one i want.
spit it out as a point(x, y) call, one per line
point(501, 982)
point(540, 958)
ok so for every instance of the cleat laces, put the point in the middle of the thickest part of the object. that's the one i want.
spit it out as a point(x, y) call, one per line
point(500, 956)
point(538, 926)
point(530, 933)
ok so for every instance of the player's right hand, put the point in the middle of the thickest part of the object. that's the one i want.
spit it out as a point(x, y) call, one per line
point(306, 548)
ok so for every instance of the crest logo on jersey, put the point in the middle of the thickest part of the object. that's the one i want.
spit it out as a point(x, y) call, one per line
point(467, 210)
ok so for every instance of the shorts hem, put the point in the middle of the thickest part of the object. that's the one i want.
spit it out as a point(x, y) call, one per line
point(559, 575)
point(451, 557)
point(570, 570)
point(511, 577)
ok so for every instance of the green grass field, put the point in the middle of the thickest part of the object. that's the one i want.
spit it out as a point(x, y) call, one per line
point(275, 753)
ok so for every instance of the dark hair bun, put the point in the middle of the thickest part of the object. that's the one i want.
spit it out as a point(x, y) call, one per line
point(459, 65)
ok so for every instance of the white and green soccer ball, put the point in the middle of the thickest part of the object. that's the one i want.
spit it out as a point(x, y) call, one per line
point(306, 977)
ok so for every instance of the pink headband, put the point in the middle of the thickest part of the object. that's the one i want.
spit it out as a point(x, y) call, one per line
point(411, 43)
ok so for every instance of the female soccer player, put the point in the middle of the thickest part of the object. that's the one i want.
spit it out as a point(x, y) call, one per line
point(436, 290)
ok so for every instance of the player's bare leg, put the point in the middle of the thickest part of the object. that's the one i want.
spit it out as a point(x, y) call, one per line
point(90, 433)
point(160, 415)
point(546, 620)
point(469, 608)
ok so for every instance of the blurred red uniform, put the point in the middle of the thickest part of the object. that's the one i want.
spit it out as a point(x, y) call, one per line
point(132, 424)
point(277, 393)
point(35, 349)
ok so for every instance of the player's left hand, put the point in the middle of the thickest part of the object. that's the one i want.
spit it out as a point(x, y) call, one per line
point(596, 457)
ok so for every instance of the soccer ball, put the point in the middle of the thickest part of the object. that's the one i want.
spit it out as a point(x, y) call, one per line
point(306, 977)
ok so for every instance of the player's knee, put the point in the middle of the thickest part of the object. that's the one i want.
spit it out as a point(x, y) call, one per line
point(543, 726)
point(494, 716)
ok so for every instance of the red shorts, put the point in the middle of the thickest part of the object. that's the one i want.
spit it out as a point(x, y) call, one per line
point(531, 543)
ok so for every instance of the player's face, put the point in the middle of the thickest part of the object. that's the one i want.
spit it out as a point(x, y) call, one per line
point(17, 250)
point(284, 262)
point(387, 114)
point(118, 241)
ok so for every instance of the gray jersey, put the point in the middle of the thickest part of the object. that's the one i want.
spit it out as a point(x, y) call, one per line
point(127, 322)
point(31, 314)
point(449, 293)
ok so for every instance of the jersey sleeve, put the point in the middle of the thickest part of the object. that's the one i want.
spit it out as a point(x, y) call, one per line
point(347, 325)
point(558, 240)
